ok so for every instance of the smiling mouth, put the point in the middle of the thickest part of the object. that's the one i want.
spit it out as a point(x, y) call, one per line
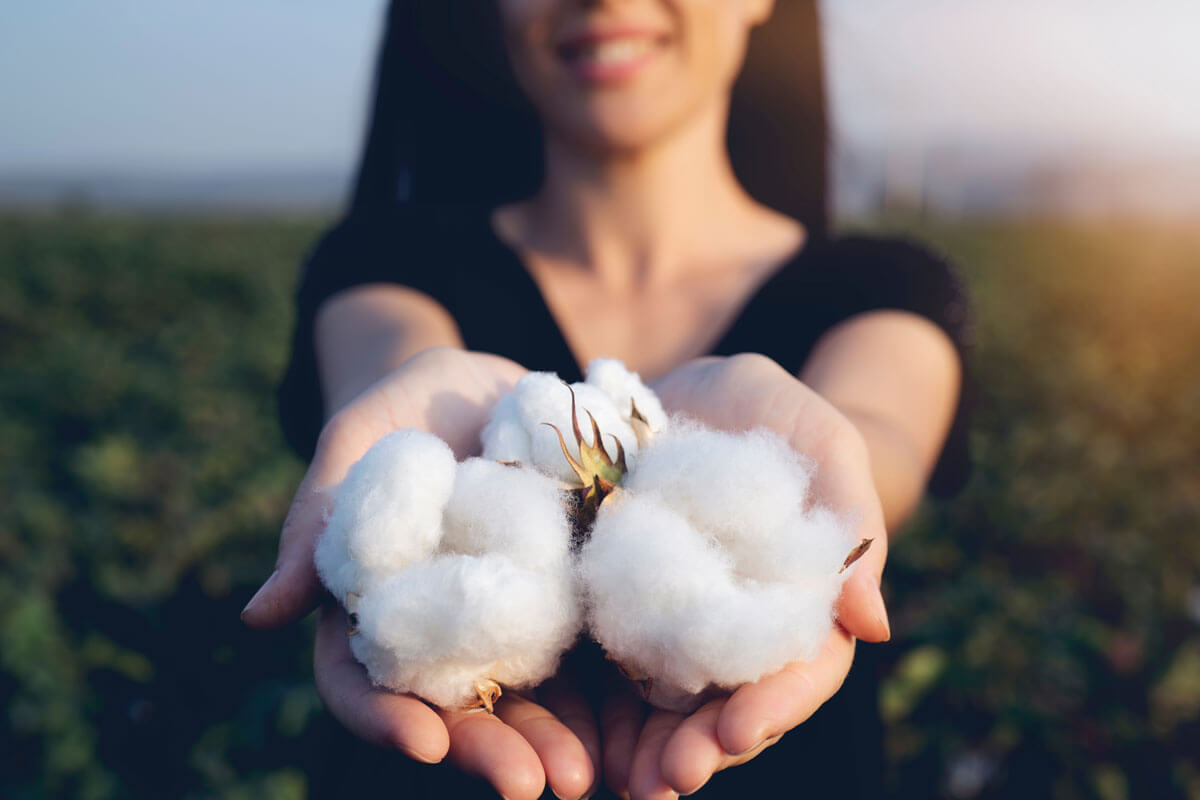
point(610, 56)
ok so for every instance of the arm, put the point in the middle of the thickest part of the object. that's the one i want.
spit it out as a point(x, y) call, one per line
point(385, 356)
point(366, 332)
point(896, 377)
point(873, 405)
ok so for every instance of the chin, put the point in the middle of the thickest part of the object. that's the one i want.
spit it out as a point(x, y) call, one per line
point(611, 126)
point(624, 136)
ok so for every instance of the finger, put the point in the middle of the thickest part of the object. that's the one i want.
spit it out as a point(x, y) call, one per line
point(403, 399)
point(483, 745)
point(844, 482)
point(293, 589)
point(646, 780)
point(574, 711)
point(386, 719)
point(861, 609)
point(777, 703)
point(621, 717)
point(694, 753)
point(565, 761)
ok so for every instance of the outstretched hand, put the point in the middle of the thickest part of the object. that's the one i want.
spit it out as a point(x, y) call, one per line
point(660, 754)
point(525, 745)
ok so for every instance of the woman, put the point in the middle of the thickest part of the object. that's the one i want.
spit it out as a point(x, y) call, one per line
point(639, 244)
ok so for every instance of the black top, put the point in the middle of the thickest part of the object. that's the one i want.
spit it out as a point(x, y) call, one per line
point(453, 255)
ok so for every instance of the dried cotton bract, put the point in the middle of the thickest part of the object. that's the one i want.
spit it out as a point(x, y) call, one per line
point(458, 576)
point(523, 423)
point(707, 570)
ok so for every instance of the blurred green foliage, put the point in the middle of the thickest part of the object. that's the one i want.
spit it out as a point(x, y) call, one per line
point(142, 479)
point(1046, 622)
point(1048, 619)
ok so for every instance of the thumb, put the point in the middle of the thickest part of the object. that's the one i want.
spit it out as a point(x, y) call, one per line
point(293, 589)
point(861, 610)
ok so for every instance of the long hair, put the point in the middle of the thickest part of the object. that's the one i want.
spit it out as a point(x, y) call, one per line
point(449, 123)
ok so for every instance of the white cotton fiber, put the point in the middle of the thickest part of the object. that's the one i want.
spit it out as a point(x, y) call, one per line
point(739, 487)
point(517, 430)
point(503, 509)
point(707, 570)
point(387, 512)
point(440, 626)
point(461, 572)
point(622, 386)
point(707, 566)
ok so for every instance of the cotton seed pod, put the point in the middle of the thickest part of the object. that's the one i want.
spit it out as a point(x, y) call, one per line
point(458, 577)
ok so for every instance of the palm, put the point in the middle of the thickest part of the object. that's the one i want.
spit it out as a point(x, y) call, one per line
point(528, 744)
point(449, 393)
point(673, 753)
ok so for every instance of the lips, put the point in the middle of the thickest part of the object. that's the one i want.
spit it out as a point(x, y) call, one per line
point(612, 51)
point(605, 56)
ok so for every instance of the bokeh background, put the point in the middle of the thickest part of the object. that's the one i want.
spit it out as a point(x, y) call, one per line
point(165, 167)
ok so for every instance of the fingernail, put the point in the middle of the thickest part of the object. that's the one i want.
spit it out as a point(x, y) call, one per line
point(748, 749)
point(881, 616)
point(415, 756)
point(258, 594)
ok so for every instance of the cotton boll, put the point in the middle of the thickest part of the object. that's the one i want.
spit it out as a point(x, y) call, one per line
point(502, 509)
point(517, 429)
point(461, 573)
point(707, 570)
point(740, 487)
point(612, 377)
point(441, 626)
point(387, 511)
point(642, 570)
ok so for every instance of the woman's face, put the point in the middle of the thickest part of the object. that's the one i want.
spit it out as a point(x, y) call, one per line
point(618, 75)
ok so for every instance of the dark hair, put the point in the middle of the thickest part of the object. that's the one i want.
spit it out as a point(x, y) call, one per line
point(449, 124)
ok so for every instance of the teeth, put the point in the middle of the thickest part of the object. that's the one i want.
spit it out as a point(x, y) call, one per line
point(614, 51)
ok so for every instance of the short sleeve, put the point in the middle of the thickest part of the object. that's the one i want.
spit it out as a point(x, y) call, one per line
point(833, 280)
point(392, 247)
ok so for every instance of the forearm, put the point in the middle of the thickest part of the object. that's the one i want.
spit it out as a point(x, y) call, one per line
point(896, 377)
point(364, 333)
point(896, 466)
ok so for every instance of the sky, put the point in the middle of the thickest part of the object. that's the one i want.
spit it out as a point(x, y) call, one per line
point(1120, 76)
point(127, 86)
point(183, 84)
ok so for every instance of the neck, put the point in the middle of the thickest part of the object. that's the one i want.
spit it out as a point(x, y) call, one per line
point(635, 217)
